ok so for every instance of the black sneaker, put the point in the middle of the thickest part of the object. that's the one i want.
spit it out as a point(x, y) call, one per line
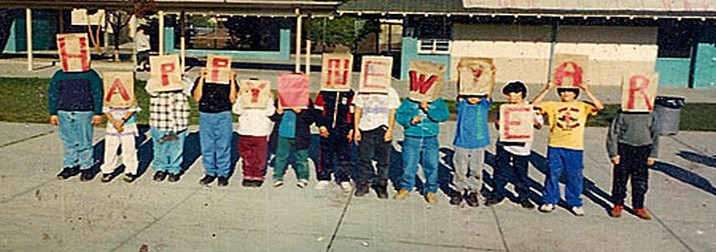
point(472, 199)
point(223, 181)
point(456, 199)
point(527, 204)
point(382, 192)
point(361, 191)
point(174, 177)
point(159, 176)
point(68, 172)
point(207, 179)
point(87, 175)
point(257, 183)
point(247, 183)
point(106, 177)
point(494, 201)
point(129, 178)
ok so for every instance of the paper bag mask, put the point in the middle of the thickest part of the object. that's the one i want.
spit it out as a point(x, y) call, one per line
point(166, 71)
point(516, 123)
point(375, 74)
point(336, 74)
point(639, 92)
point(119, 89)
point(426, 80)
point(293, 90)
point(570, 70)
point(254, 93)
point(475, 76)
point(74, 52)
point(218, 69)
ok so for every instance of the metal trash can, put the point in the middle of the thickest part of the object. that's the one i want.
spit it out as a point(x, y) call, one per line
point(667, 110)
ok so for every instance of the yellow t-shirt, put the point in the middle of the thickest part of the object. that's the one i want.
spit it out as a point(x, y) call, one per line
point(566, 122)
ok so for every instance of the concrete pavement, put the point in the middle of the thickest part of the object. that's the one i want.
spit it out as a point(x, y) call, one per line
point(40, 213)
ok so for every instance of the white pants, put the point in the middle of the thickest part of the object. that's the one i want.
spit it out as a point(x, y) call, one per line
point(128, 156)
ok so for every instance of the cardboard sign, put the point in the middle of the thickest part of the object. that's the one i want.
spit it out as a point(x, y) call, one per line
point(569, 70)
point(336, 74)
point(119, 89)
point(74, 52)
point(516, 123)
point(426, 80)
point(639, 92)
point(475, 76)
point(218, 69)
point(375, 74)
point(254, 93)
point(293, 90)
point(166, 70)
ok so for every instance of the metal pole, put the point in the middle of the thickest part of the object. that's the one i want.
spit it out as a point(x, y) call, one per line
point(555, 28)
point(28, 28)
point(161, 32)
point(308, 57)
point(182, 53)
point(299, 24)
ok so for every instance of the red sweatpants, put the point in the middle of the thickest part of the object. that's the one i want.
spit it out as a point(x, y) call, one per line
point(252, 150)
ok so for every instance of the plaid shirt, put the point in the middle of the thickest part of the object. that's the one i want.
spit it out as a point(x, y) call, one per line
point(169, 111)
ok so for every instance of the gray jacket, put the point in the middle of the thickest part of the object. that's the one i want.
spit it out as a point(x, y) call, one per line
point(635, 129)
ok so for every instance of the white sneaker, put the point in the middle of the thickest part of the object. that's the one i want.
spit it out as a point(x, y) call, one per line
point(277, 183)
point(578, 211)
point(546, 208)
point(302, 183)
point(346, 186)
point(322, 184)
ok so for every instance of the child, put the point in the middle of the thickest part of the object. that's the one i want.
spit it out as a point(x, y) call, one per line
point(421, 122)
point(565, 150)
point(334, 118)
point(75, 104)
point(292, 134)
point(632, 144)
point(168, 120)
point(374, 123)
point(254, 129)
point(121, 130)
point(141, 43)
point(215, 127)
point(512, 157)
point(471, 138)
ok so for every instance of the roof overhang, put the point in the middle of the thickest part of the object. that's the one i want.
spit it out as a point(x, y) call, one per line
point(219, 7)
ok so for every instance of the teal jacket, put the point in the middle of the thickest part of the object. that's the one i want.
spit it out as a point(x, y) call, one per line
point(82, 91)
point(430, 126)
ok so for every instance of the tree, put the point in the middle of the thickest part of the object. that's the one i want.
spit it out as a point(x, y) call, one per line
point(120, 18)
point(347, 31)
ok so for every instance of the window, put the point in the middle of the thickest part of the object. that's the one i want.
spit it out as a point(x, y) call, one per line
point(232, 33)
point(675, 41)
point(434, 46)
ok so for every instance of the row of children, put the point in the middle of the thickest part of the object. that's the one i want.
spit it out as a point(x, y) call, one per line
point(344, 120)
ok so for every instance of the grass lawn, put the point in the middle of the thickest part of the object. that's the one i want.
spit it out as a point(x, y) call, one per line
point(25, 100)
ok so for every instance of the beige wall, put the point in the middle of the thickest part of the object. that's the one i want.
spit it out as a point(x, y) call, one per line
point(523, 51)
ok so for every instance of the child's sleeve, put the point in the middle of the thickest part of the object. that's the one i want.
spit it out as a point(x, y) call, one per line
point(404, 113)
point(236, 108)
point(97, 92)
point(654, 130)
point(270, 108)
point(438, 111)
point(275, 117)
point(52, 95)
point(319, 109)
point(613, 136)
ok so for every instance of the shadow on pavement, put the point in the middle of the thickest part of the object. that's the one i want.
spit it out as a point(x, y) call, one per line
point(685, 176)
point(698, 158)
point(590, 189)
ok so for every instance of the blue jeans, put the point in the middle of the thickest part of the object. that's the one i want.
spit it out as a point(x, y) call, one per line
point(168, 155)
point(215, 132)
point(570, 162)
point(76, 134)
point(423, 150)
